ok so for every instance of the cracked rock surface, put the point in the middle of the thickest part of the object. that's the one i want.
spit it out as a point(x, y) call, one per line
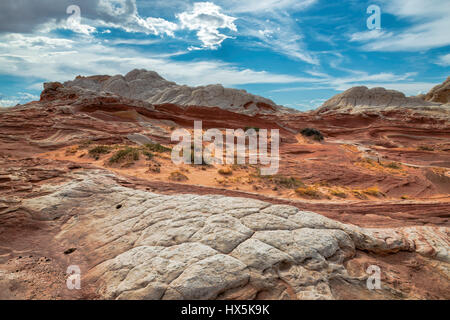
point(133, 244)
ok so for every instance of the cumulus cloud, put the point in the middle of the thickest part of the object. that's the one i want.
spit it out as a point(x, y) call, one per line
point(207, 19)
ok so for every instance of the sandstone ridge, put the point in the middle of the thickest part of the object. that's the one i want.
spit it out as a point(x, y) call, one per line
point(151, 87)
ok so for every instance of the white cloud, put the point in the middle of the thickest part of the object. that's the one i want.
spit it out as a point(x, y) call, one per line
point(19, 98)
point(444, 60)
point(369, 35)
point(267, 6)
point(207, 18)
point(430, 22)
point(28, 55)
point(402, 83)
point(271, 23)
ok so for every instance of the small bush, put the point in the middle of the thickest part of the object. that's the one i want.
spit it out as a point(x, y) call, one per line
point(225, 171)
point(287, 182)
point(154, 167)
point(99, 150)
point(393, 165)
point(125, 155)
point(373, 191)
point(148, 154)
point(85, 144)
point(311, 132)
point(156, 147)
point(308, 192)
point(360, 195)
point(338, 193)
point(178, 176)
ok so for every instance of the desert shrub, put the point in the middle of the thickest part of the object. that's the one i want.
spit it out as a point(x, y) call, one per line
point(311, 132)
point(125, 155)
point(178, 176)
point(338, 193)
point(85, 144)
point(287, 182)
point(310, 192)
point(148, 154)
point(99, 150)
point(360, 195)
point(373, 191)
point(156, 147)
point(225, 171)
point(393, 165)
point(154, 167)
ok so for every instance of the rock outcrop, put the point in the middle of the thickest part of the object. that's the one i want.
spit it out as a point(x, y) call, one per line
point(440, 93)
point(359, 100)
point(151, 87)
point(133, 244)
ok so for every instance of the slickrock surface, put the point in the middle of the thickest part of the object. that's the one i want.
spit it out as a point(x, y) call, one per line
point(150, 87)
point(139, 245)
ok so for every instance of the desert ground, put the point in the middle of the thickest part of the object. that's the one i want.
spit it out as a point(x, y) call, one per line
point(87, 179)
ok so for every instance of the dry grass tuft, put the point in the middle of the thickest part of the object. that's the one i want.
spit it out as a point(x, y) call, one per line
point(309, 192)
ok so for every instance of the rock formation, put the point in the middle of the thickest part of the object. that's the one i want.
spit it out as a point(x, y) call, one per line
point(135, 244)
point(150, 87)
point(379, 100)
point(440, 93)
point(373, 193)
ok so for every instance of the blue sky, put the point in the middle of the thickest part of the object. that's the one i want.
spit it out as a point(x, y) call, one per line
point(299, 53)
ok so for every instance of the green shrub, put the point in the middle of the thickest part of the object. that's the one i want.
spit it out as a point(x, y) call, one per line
point(156, 147)
point(125, 155)
point(99, 150)
point(393, 165)
point(148, 154)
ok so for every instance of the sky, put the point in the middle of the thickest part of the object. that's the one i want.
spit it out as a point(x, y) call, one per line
point(299, 53)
